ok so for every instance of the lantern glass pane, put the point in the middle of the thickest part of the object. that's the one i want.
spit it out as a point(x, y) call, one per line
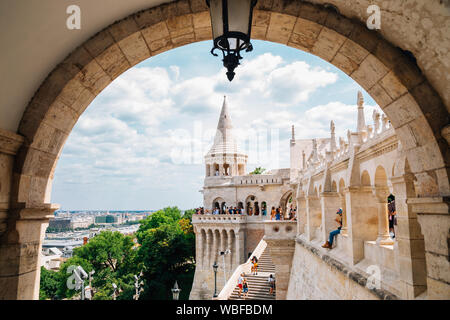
point(233, 42)
point(215, 8)
point(239, 15)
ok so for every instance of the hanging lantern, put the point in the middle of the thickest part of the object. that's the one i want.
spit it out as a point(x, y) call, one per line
point(231, 22)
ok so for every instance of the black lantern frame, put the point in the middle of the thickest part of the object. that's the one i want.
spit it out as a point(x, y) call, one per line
point(231, 52)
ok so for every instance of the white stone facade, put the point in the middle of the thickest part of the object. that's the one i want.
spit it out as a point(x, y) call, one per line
point(356, 174)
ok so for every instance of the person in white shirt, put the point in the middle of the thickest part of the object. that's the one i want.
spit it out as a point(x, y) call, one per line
point(271, 281)
point(240, 283)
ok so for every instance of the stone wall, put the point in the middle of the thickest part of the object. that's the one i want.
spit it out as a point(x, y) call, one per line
point(255, 232)
point(313, 278)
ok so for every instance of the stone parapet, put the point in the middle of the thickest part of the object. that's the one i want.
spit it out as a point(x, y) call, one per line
point(351, 273)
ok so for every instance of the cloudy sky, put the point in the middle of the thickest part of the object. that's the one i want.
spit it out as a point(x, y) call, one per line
point(140, 144)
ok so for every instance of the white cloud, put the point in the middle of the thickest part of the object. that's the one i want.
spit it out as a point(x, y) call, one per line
point(137, 130)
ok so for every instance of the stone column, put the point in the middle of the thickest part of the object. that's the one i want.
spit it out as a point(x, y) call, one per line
point(20, 251)
point(434, 218)
point(301, 214)
point(330, 204)
point(207, 256)
point(230, 256)
point(212, 170)
point(381, 195)
point(410, 247)
point(215, 247)
point(313, 216)
point(239, 247)
point(221, 173)
point(199, 245)
point(362, 216)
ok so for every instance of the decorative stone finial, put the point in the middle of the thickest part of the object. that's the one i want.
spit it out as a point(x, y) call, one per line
point(360, 99)
point(333, 138)
point(361, 123)
point(376, 120)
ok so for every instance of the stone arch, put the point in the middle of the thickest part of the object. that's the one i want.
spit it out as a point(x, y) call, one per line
point(217, 203)
point(341, 185)
point(250, 201)
point(365, 179)
point(380, 177)
point(387, 72)
point(284, 201)
point(334, 186)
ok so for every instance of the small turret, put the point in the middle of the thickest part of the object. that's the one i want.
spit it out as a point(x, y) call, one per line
point(361, 124)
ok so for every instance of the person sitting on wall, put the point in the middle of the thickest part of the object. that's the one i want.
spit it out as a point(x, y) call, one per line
point(329, 243)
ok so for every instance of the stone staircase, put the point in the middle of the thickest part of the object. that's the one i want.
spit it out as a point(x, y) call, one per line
point(258, 285)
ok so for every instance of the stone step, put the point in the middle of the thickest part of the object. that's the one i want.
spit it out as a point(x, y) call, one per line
point(258, 285)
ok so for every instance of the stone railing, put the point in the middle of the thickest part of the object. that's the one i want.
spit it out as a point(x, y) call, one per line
point(257, 179)
point(243, 268)
point(219, 218)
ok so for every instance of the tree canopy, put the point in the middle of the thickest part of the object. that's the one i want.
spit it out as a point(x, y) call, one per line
point(258, 170)
point(163, 248)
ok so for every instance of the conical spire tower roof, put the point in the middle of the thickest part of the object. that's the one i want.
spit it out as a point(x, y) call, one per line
point(224, 141)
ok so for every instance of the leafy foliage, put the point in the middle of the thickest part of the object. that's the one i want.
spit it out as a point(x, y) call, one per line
point(49, 284)
point(258, 170)
point(165, 252)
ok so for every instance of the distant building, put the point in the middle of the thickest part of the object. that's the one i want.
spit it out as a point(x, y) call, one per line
point(60, 223)
point(106, 219)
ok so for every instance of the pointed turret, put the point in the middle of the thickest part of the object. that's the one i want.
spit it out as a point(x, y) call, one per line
point(224, 141)
point(333, 137)
point(224, 158)
point(361, 124)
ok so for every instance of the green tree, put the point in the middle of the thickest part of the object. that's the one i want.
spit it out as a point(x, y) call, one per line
point(167, 252)
point(258, 170)
point(49, 283)
point(114, 260)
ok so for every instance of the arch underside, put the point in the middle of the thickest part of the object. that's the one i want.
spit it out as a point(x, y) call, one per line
point(388, 74)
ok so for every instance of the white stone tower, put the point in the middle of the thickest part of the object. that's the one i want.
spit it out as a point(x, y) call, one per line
point(224, 158)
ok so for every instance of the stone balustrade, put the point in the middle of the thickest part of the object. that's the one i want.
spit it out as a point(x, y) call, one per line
point(219, 218)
